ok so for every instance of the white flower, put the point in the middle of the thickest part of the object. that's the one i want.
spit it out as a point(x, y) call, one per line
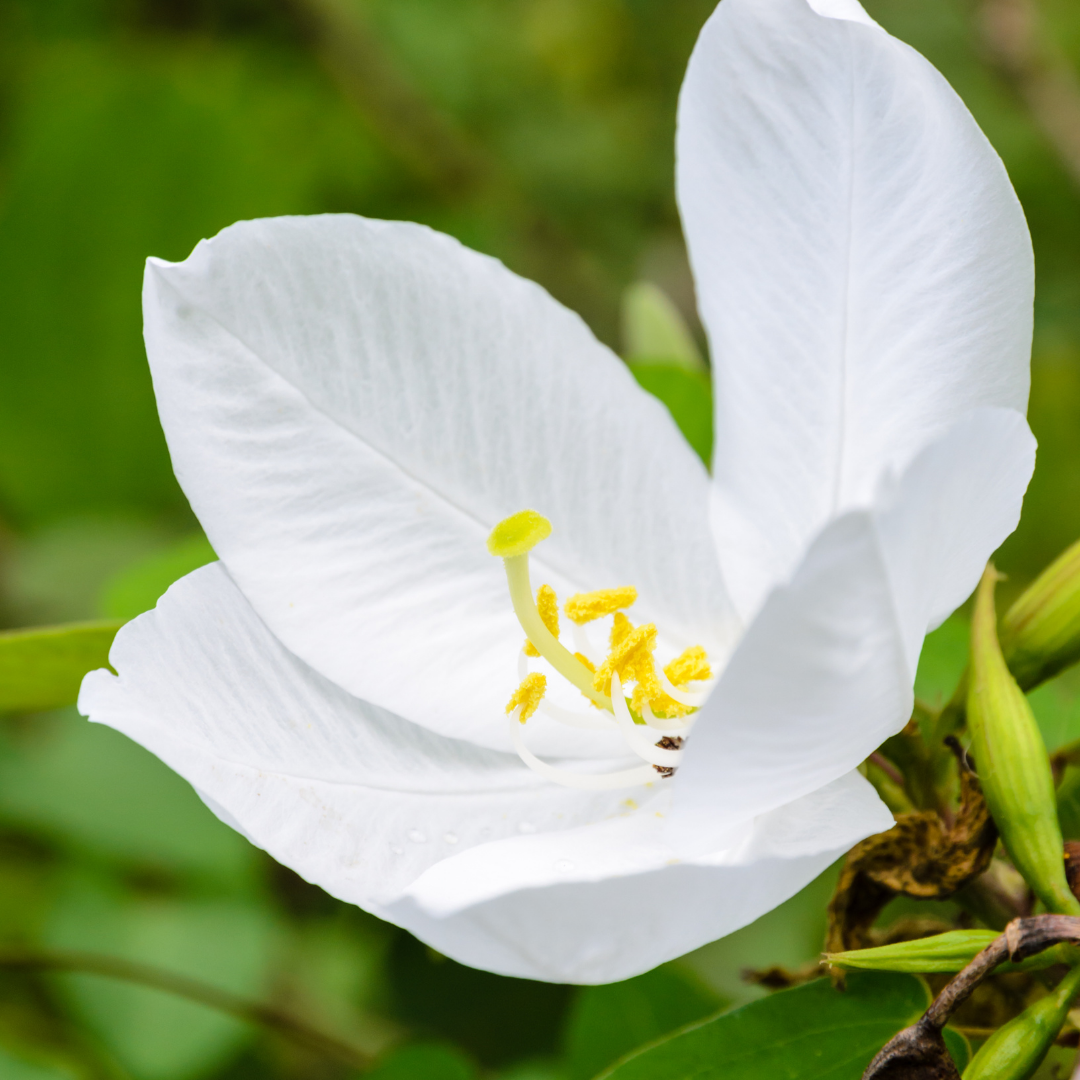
point(352, 405)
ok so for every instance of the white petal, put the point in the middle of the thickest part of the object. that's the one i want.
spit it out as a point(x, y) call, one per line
point(608, 902)
point(356, 799)
point(351, 405)
point(370, 807)
point(824, 673)
point(862, 264)
point(953, 507)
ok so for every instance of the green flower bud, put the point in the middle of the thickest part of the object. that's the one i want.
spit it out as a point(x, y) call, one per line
point(942, 953)
point(1016, 1050)
point(1040, 633)
point(1012, 763)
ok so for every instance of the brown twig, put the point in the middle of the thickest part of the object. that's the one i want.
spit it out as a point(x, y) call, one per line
point(254, 1012)
point(920, 1050)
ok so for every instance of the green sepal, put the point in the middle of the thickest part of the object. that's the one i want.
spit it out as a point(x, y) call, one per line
point(42, 667)
point(941, 954)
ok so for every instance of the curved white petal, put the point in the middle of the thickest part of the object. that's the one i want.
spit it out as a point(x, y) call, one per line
point(351, 405)
point(290, 757)
point(464, 846)
point(862, 265)
point(608, 902)
point(824, 674)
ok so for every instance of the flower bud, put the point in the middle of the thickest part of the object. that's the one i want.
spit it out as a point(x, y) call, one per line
point(1015, 1050)
point(942, 953)
point(1040, 633)
point(1012, 763)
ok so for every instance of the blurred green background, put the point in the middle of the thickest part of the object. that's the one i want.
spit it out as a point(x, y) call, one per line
point(540, 131)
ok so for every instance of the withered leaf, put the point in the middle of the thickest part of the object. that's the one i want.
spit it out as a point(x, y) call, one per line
point(921, 857)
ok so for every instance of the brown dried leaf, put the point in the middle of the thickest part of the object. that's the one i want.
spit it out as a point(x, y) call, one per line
point(921, 857)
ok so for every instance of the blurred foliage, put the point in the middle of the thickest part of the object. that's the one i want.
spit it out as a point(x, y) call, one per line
point(540, 131)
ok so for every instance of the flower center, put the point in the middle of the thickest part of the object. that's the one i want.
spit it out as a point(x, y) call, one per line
point(657, 716)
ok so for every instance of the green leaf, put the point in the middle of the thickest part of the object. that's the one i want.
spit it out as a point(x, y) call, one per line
point(139, 587)
point(607, 1022)
point(41, 668)
point(688, 396)
point(424, 1062)
point(154, 1034)
point(813, 1032)
point(654, 330)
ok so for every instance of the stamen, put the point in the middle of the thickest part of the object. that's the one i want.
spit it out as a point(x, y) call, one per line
point(666, 723)
point(548, 607)
point(583, 645)
point(601, 722)
point(634, 734)
point(527, 696)
point(624, 778)
point(595, 721)
point(683, 697)
point(691, 665)
point(630, 659)
point(635, 646)
point(582, 608)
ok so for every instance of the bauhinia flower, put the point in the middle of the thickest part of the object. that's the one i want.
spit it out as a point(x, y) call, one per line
point(392, 442)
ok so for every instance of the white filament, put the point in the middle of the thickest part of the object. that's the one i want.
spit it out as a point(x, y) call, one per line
point(584, 645)
point(635, 735)
point(665, 724)
point(624, 778)
point(683, 697)
point(597, 722)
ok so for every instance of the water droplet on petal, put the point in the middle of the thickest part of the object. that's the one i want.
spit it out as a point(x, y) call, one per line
point(450, 838)
point(417, 837)
point(564, 866)
point(526, 827)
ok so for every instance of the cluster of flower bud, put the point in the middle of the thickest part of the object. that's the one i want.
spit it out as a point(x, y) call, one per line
point(1038, 637)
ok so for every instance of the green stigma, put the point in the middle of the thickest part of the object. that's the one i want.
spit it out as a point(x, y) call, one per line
point(518, 534)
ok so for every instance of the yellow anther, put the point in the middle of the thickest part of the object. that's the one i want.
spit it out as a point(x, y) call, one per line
point(621, 628)
point(586, 663)
point(528, 695)
point(581, 658)
point(548, 606)
point(690, 666)
point(634, 651)
point(518, 534)
point(583, 607)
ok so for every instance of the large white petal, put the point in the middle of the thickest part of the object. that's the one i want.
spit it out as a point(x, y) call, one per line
point(301, 766)
point(351, 405)
point(862, 263)
point(824, 674)
point(621, 902)
point(462, 845)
